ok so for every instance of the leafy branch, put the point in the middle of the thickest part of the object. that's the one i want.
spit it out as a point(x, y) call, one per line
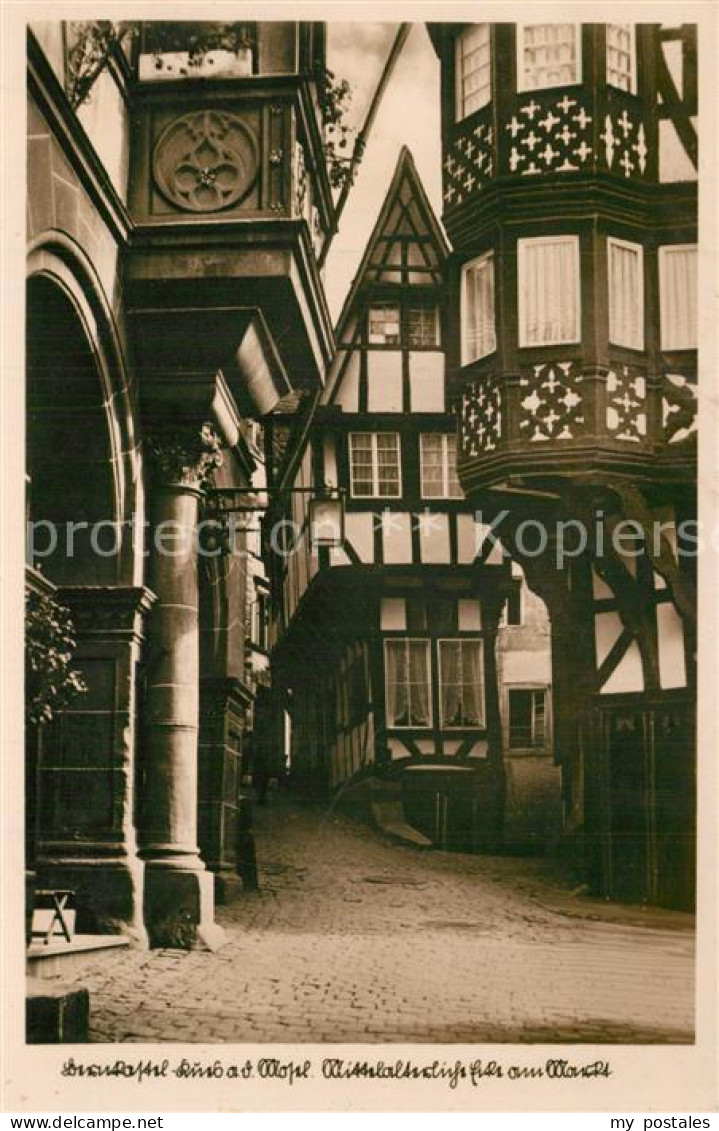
point(92, 44)
point(51, 683)
point(334, 96)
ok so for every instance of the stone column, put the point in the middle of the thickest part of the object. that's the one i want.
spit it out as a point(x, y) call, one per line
point(179, 903)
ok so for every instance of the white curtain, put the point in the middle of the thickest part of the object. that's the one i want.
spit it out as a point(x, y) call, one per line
point(462, 685)
point(479, 329)
point(678, 288)
point(625, 295)
point(548, 287)
point(408, 691)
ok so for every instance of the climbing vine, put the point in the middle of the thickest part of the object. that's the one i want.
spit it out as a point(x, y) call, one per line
point(334, 96)
point(51, 683)
point(92, 43)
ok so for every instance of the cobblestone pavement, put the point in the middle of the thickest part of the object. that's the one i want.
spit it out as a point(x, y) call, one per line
point(355, 939)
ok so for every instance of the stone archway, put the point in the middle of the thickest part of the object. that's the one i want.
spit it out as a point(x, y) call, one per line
point(85, 488)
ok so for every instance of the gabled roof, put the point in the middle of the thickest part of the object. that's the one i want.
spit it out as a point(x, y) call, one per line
point(406, 217)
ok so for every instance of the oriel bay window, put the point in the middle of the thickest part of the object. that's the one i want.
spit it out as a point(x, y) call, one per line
point(461, 683)
point(548, 290)
point(408, 684)
point(548, 55)
point(438, 466)
point(678, 296)
point(375, 465)
point(626, 294)
point(473, 74)
point(479, 335)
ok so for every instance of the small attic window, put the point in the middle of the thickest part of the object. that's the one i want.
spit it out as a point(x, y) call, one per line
point(423, 327)
point(384, 325)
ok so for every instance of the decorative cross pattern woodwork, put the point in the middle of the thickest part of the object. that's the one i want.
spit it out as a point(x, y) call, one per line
point(679, 408)
point(551, 408)
point(623, 146)
point(627, 404)
point(481, 420)
point(547, 134)
point(469, 164)
point(205, 162)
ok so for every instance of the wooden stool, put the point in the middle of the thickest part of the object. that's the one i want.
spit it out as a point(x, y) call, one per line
point(58, 898)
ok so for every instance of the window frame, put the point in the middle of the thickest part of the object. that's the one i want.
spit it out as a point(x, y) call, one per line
point(523, 242)
point(627, 245)
point(375, 465)
point(530, 689)
point(460, 114)
point(471, 264)
point(478, 641)
point(430, 307)
point(445, 437)
point(384, 305)
point(632, 57)
point(664, 252)
point(395, 638)
point(518, 593)
point(522, 87)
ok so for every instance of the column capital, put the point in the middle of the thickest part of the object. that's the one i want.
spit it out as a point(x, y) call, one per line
point(183, 453)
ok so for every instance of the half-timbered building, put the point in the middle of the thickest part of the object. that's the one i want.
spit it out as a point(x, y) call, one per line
point(570, 166)
point(385, 648)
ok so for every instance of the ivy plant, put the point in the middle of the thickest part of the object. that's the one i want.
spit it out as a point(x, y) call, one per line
point(91, 44)
point(51, 683)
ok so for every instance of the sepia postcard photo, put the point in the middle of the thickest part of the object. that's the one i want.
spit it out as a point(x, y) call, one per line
point(355, 369)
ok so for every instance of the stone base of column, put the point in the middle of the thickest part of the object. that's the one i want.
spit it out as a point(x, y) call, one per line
point(179, 908)
point(108, 893)
point(227, 883)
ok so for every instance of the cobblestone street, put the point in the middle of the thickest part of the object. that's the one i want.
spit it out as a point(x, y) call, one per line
point(355, 939)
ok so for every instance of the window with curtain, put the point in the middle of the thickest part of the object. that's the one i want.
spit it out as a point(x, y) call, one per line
point(621, 66)
point(479, 336)
point(548, 282)
point(461, 683)
point(384, 325)
point(422, 327)
point(678, 296)
point(549, 55)
point(527, 718)
point(375, 465)
point(626, 294)
point(407, 683)
point(438, 466)
point(473, 70)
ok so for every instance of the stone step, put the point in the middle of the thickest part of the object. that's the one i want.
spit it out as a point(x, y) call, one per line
point(58, 957)
point(55, 1013)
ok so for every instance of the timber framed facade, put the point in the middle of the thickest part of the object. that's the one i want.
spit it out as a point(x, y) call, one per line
point(386, 649)
point(570, 194)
